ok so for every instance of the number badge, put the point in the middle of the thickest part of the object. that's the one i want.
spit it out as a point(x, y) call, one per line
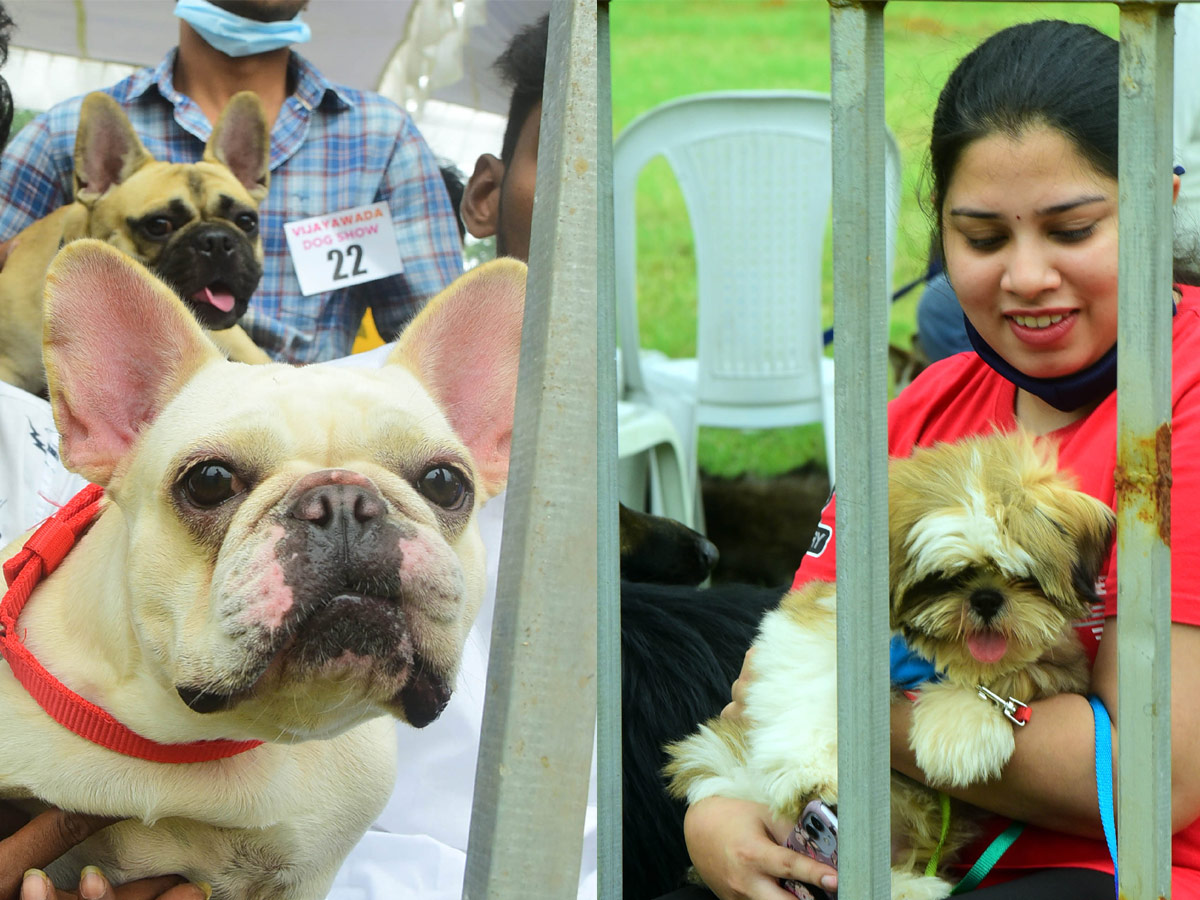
point(343, 248)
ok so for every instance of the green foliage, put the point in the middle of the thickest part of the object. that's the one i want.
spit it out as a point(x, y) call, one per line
point(21, 118)
point(663, 49)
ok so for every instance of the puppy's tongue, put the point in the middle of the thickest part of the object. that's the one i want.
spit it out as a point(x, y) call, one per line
point(222, 300)
point(987, 646)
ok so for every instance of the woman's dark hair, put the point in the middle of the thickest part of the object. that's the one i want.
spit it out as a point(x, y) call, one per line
point(1058, 74)
point(1051, 73)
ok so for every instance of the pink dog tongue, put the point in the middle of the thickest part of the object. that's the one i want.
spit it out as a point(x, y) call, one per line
point(222, 300)
point(987, 646)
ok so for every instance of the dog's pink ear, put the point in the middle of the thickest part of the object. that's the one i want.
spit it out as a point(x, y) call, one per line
point(118, 345)
point(107, 149)
point(241, 141)
point(465, 346)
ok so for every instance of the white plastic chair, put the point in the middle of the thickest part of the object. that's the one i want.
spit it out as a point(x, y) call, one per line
point(652, 473)
point(652, 470)
point(755, 171)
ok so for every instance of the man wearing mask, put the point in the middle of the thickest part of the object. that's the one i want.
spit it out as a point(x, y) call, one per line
point(333, 149)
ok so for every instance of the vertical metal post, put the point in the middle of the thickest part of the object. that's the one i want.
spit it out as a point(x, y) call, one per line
point(1143, 476)
point(539, 719)
point(608, 714)
point(860, 283)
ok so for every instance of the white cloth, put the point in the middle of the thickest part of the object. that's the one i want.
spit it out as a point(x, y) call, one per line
point(33, 483)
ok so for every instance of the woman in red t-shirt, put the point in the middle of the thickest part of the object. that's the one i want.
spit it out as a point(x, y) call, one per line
point(1024, 182)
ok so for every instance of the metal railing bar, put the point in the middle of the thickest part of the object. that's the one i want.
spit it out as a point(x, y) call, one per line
point(608, 713)
point(1144, 452)
point(860, 350)
point(535, 752)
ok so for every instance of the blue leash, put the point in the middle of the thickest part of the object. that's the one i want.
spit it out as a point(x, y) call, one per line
point(1104, 792)
point(934, 267)
point(1104, 783)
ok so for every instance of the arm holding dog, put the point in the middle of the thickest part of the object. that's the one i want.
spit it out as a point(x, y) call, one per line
point(1050, 779)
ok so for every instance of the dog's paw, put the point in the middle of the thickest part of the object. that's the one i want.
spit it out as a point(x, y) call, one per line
point(911, 886)
point(959, 739)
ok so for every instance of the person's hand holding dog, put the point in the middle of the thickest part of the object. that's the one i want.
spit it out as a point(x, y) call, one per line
point(737, 844)
point(24, 847)
point(738, 849)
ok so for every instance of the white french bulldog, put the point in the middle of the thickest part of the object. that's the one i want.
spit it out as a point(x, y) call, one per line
point(282, 555)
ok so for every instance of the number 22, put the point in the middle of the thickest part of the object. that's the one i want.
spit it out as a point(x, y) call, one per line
point(354, 250)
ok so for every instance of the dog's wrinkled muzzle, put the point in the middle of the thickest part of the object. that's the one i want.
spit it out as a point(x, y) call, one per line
point(334, 605)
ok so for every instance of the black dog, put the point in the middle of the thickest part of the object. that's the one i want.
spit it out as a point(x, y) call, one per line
point(681, 649)
point(662, 551)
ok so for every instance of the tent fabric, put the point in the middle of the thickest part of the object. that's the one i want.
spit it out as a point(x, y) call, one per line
point(434, 57)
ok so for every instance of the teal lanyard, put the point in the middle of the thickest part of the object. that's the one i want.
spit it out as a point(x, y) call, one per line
point(1104, 792)
point(989, 858)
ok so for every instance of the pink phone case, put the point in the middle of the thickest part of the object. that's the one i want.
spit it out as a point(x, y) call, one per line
point(815, 835)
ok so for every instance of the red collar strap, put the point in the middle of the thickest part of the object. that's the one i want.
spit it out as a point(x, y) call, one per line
point(40, 556)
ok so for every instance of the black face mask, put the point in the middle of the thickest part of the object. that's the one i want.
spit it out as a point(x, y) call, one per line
point(1065, 393)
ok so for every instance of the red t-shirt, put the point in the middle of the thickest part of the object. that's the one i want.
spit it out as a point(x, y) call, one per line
point(961, 396)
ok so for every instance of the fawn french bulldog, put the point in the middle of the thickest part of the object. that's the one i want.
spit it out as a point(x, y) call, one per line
point(193, 225)
point(282, 560)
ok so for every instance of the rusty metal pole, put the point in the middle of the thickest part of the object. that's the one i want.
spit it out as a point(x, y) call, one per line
point(1143, 475)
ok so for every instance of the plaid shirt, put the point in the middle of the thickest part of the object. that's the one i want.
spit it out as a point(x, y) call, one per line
point(332, 148)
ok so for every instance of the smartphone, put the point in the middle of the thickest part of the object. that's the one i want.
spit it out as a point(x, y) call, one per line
point(815, 835)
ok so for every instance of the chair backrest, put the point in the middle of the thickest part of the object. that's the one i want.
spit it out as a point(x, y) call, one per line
point(755, 171)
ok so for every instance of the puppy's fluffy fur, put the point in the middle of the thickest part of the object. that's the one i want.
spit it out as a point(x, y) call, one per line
point(993, 555)
point(681, 646)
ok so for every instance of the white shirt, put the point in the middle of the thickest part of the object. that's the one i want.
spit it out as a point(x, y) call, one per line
point(33, 483)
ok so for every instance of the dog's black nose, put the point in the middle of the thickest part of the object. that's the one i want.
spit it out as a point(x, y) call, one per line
point(344, 508)
point(986, 602)
point(216, 243)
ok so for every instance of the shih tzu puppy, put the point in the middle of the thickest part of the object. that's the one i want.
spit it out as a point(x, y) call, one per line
point(994, 554)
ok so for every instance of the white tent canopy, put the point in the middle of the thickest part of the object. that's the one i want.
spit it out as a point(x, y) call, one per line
point(432, 56)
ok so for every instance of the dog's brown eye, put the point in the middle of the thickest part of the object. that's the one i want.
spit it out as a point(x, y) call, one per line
point(210, 484)
point(158, 227)
point(443, 486)
point(246, 221)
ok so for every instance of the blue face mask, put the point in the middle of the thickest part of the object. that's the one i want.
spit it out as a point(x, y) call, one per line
point(238, 36)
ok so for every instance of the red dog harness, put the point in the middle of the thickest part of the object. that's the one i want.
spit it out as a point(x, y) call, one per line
point(40, 556)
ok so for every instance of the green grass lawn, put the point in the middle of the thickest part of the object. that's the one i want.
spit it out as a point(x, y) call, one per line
point(663, 49)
